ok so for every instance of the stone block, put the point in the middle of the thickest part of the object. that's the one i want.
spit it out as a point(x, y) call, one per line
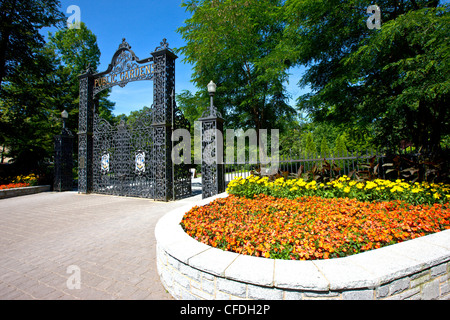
point(293, 295)
point(301, 275)
point(430, 290)
point(343, 274)
point(367, 294)
point(252, 270)
point(264, 293)
point(214, 261)
point(209, 286)
point(181, 280)
point(189, 272)
point(420, 278)
point(438, 270)
point(232, 287)
point(398, 285)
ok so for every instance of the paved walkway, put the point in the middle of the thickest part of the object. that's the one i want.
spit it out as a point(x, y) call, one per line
point(50, 241)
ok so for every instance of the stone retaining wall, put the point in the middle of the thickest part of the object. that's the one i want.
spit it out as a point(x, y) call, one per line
point(415, 269)
point(9, 193)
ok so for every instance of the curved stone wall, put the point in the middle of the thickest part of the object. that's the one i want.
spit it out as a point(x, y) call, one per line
point(415, 269)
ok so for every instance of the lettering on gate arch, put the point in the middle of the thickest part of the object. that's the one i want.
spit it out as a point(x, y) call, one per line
point(125, 67)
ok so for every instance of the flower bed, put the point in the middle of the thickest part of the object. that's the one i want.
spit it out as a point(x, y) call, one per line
point(311, 227)
point(20, 182)
point(344, 187)
point(14, 185)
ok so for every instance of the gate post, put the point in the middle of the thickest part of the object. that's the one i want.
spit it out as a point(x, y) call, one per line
point(163, 85)
point(85, 132)
point(213, 168)
point(63, 180)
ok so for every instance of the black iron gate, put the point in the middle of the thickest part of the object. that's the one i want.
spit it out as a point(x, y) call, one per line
point(132, 160)
point(122, 158)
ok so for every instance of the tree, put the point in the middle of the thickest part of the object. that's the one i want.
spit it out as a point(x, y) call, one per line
point(324, 149)
point(20, 22)
point(310, 149)
point(394, 81)
point(340, 150)
point(35, 94)
point(226, 41)
point(28, 121)
point(192, 105)
point(76, 50)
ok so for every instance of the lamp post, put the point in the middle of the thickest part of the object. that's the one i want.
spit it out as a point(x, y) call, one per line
point(213, 169)
point(212, 90)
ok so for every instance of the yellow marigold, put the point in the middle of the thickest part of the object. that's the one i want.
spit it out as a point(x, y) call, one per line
point(338, 185)
point(360, 185)
point(396, 188)
point(370, 185)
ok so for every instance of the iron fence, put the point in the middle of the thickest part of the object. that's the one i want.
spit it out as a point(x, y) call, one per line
point(370, 163)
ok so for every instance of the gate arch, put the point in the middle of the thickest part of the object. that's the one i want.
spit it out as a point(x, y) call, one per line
point(132, 161)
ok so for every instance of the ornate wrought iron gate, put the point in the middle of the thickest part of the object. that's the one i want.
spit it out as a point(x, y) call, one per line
point(132, 160)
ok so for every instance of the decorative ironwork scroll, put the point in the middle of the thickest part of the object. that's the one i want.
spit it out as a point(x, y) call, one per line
point(132, 160)
point(116, 150)
point(124, 68)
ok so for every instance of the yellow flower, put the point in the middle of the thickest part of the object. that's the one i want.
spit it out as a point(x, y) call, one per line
point(370, 185)
point(396, 188)
point(360, 185)
point(347, 189)
point(436, 196)
point(301, 183)
point(338, 185)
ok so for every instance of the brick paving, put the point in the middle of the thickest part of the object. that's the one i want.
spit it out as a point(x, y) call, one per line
point(109, 239)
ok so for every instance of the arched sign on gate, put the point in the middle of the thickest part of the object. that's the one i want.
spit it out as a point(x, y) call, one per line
point(132, 160)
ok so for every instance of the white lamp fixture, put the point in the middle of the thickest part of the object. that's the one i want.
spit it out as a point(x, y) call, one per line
point(212, 88)
point(64, 114)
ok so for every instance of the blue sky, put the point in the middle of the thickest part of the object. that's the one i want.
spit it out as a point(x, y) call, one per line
point(144, 24)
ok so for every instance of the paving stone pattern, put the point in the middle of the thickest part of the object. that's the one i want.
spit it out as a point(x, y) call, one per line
point(110, 239)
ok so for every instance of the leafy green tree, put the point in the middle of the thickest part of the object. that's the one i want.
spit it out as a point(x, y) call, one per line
point(28, 121)
point(34, 95)
point(20, 40)
point(324, 149)
point(192, 105)
point(310, 149)
point(76, 50)
point(340, 150)
point(226, 41)
point(394, 80)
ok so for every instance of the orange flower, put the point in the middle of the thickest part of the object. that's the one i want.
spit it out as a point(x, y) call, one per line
point(310, 227)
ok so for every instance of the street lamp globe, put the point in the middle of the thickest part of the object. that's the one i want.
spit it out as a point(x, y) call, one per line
point(64, 114)
point(212, 88)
